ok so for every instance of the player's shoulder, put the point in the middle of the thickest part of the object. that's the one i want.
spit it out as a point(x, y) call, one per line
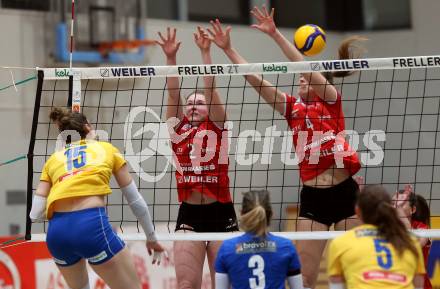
point(243, 238)
point(229, 246)
point(58, 155)
point(418, 225)
point(104, 144)
point(336, 101)
point(350, 236)
point(109, 147)
point(280, 241)
point(234, 240)
point(291, 97)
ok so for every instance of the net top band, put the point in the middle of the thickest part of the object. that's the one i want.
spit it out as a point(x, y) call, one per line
point(243, 69)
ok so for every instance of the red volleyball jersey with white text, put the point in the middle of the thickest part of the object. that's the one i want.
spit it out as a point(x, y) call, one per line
point(425, 250)
point(203, 157)
point(315, 127)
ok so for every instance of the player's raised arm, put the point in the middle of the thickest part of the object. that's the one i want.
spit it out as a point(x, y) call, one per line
point(266, 24)
point(221, 37)
point(217, 111)
point(170, 46)
point(139, 208)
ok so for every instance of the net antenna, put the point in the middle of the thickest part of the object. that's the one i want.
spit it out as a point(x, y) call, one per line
point(74, 100)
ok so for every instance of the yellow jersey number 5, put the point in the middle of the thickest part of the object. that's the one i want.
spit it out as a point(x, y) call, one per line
point(384, 256)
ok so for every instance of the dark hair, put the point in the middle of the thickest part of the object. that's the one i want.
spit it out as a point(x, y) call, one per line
point(348, 49)
point(68, 120)
point(256, 212)
point(422, 212)
point(375, 205)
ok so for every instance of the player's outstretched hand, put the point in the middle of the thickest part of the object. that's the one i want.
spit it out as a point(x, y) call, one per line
point(402, 196)
point(155, 248)
point(219, 36)
point(168, 43)
point(202, 40)
point(265, 20)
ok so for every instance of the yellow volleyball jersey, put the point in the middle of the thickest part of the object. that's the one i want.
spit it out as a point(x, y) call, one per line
point(81, 169)
point(368, 261)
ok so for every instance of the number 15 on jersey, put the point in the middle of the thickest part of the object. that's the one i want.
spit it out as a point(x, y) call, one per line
point(75, 157)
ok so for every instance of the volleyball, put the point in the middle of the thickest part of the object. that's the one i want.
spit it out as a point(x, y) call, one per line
point(309, 39)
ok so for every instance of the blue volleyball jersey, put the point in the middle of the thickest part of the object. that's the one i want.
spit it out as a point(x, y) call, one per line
point(253, 262)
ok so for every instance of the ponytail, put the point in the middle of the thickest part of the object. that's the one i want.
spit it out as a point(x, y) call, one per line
point(375, 205)
point(348, 49)
point(256, 213)
point(255, 221)
point(68, 120)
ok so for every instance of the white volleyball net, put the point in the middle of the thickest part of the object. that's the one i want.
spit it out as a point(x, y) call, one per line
point(391, 109)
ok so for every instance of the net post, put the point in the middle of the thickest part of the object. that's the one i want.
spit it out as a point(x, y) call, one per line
point(74, 97)
point(69, 101)
point(69, 96)
point(30, 155)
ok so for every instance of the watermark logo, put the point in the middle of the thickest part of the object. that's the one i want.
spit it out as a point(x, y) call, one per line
point(158, 145)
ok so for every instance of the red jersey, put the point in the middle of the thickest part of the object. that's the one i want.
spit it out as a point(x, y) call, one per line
point(318, 136)
point(425, 250)
point(203, 161)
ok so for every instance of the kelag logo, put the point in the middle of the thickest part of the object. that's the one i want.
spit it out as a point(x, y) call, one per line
point(273, 67)
point(64, 72)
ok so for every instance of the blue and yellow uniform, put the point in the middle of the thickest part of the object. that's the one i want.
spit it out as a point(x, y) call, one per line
point(81, 169)
point(434, 264)
point(253, 262)
point(368, 261)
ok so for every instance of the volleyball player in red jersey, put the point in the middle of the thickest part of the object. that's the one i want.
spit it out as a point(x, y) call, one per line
point(414, 212)
point(203, 182)
point(329, 192)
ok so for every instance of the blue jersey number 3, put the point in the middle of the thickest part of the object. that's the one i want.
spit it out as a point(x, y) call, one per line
point(76, 157)
point(384, 257)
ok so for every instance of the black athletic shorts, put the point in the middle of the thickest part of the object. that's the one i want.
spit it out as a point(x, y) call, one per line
point(330, 205)
point(215, 217)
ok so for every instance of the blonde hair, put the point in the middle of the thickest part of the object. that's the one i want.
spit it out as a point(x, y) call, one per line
point(348, 49)
point(256, 212)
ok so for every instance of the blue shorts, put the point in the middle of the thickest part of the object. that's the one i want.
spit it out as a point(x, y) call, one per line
point(87, 234)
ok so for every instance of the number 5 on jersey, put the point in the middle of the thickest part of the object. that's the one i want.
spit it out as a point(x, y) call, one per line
point(382, 248)
point(75, 157)
point(256, 262)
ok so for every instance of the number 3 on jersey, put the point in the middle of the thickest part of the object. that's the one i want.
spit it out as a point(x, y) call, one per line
point(382, 247)
point(75, 157)
point(256, 262)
